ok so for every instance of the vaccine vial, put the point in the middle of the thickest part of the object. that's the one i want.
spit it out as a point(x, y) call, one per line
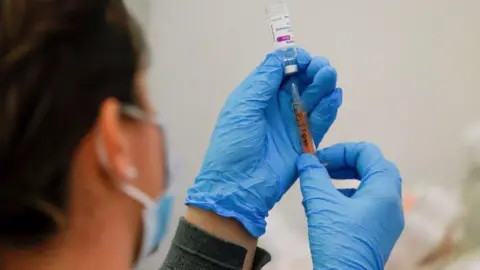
point(279, 20)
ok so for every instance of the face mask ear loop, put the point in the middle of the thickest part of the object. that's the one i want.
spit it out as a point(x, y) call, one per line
point(138, 195)
point(148, 205)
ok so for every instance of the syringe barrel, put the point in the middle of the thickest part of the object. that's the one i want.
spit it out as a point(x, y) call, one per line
point(282, 35)
point(306, 139)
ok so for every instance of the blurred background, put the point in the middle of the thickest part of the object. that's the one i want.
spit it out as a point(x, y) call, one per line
point(408, 69)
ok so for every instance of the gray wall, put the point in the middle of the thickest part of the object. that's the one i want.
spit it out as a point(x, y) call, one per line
point(408, 68)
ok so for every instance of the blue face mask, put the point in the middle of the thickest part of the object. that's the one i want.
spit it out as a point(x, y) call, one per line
point(163, 213)
point(155, 218)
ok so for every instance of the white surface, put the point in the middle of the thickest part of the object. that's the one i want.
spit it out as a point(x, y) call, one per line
point(408, 69)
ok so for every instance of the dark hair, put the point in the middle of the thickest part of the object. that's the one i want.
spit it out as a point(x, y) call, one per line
point(59, 60)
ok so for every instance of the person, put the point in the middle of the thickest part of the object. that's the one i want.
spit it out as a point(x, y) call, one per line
point(83, 163)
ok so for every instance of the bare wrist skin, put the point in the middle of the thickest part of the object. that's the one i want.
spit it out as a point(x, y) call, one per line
point(224, 228)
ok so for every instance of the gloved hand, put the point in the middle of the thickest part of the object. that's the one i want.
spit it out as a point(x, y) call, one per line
point(250, 162)
point(348, 229)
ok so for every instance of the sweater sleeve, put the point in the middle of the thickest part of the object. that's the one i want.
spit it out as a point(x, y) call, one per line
point(194, 249)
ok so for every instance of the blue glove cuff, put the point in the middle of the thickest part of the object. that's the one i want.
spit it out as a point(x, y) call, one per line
point(228, 199)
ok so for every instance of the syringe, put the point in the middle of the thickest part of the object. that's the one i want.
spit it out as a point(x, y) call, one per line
point(283, 38)
point(301, 116)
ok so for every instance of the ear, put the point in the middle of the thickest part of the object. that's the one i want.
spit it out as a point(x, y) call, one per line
point(112, 141)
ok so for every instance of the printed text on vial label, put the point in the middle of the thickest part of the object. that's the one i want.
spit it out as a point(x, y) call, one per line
point(282, 32)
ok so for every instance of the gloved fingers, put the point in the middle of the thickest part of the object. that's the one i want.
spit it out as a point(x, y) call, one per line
point(355, 156)
point(309, 66)
point(348, 192)
point(324, 114)
point(323, 84)
point(303, 60)
point(316, 64)
point(336, 163)
point(260, 86)
point(377, 175)
point(382, 182)
point(315, 183)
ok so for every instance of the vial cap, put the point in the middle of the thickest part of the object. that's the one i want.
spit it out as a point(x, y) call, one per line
point(291, 69)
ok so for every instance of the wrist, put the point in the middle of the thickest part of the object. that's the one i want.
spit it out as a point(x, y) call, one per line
point(222, 227)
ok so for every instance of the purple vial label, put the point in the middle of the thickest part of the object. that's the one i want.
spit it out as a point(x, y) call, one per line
point(283, 38)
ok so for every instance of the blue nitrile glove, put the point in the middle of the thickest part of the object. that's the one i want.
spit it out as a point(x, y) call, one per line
point(351, 230)
point(250, 162)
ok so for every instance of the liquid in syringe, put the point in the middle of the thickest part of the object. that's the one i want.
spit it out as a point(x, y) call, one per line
point(301, 117)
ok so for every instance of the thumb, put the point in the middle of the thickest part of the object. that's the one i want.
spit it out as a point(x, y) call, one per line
point(315, 182)
point(262, 84)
